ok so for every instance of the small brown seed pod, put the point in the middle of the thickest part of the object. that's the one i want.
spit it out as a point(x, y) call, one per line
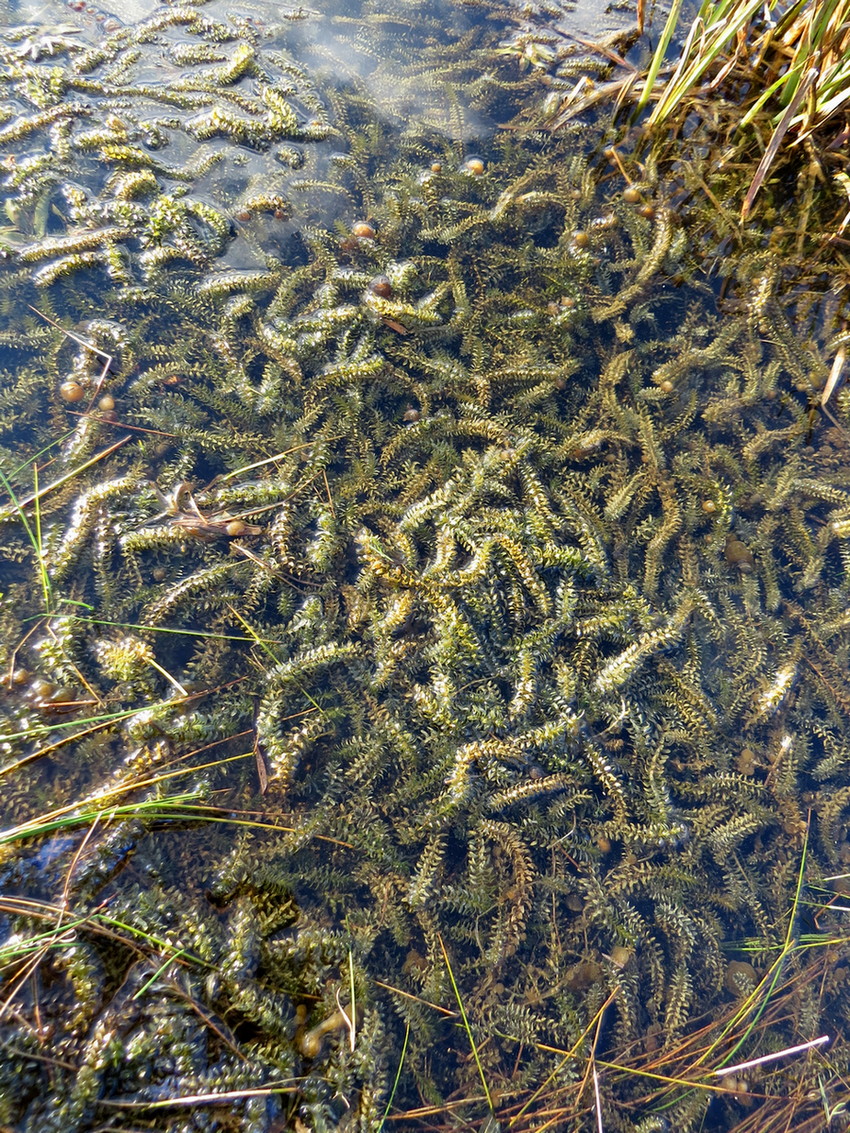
point(71, 391)
point(632, 195)
point(381, 287)
point(738, 554)
point(42, 690)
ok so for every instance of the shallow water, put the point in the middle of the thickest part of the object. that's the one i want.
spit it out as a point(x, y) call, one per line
point(424, 597)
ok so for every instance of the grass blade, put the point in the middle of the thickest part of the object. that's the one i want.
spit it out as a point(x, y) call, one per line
point(397, 1077)
point(776, 141)
point(352, 1008)
point(660, 52)
point(16, 507)
point(466, 1026)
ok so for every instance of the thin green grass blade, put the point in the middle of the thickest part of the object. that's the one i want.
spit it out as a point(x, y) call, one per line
point(253, 637)
point(397, 1077)
point(773, 976)
point(16, 507)
point(150, 809)
point(36, 456)
point(466, 1026)
point(18, 510)
point(765, 97)
point(15, 951)
point(352, 1010)
point(154, 941)
point(717, 35)
point(165, 963)
point(46, 588)
point(788, 19)
point(823, 13)
point(839, 82)
point(776, 141)
point(676, 87)
point(104, 718)
point(659, 54)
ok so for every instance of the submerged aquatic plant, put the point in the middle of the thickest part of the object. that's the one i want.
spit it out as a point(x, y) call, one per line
point(462, 554)
point(746, 124)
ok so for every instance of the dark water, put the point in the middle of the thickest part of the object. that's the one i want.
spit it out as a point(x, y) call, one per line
point(425, 588)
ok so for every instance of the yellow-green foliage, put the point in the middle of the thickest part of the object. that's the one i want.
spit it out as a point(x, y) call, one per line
point(513, 571)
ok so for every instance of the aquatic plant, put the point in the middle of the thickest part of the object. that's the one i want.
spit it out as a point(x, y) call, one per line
point(743, 122)
point(479, 579)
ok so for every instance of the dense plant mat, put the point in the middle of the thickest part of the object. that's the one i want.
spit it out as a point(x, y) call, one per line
point(424, 619)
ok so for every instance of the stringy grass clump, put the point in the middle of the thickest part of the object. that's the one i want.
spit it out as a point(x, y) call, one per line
point(790, 75)
point(749, 119)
